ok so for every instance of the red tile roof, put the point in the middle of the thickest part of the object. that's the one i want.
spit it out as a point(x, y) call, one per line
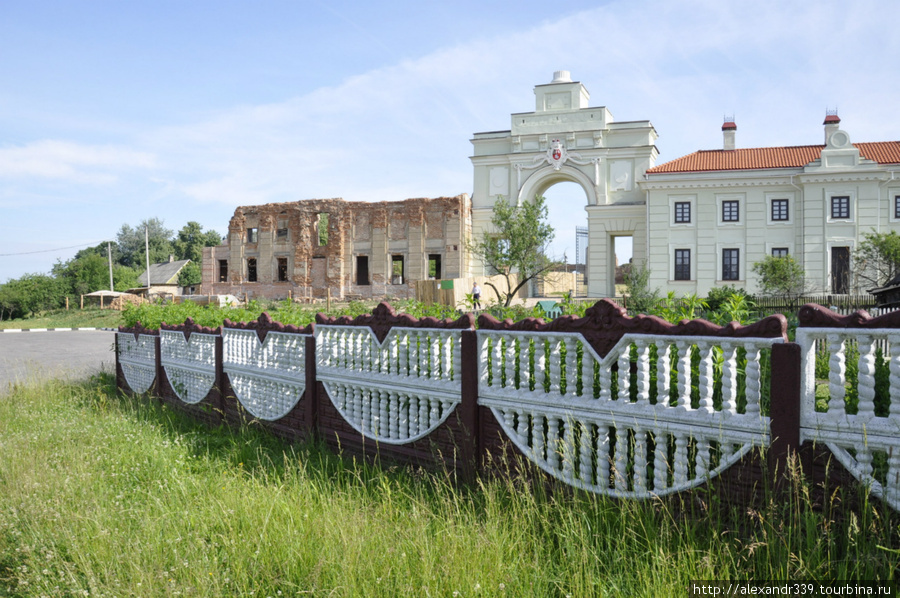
point(883, 152)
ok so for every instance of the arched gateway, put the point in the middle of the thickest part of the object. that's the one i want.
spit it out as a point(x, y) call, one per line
point(565, 140)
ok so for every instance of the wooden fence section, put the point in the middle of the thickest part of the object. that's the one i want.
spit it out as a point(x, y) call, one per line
point(622, 406)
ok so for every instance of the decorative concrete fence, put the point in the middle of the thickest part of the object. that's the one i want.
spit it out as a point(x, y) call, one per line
point(621, 406)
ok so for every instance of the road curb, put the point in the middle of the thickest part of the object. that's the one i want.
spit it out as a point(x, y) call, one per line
point(17, 330)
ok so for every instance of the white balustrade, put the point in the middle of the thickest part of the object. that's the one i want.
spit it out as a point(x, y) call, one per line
point(857, 417)
point(396, 391)
point(617, 432)
point(138, 360)
point(268, 377)
point(190, 365)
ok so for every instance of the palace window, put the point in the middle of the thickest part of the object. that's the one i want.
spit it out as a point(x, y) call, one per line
point(897, 206)
point(223, 270)
point(251, 270)
point(779, 252)
point(682, 264)
point(730, 264)
point(252, 235)
point(282, 269)
point(731, 211)
point(780, 210)
point(840, 207)
point(682, 212)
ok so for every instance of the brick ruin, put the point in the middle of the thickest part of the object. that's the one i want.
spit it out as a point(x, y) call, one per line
point(308, 249)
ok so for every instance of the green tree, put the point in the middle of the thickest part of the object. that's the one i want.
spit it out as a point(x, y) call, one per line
point(639, 297)
point(132, 246)
point(191, 240)
point(82, 275)
point(190, 275)
point(516, 247)
point(31, 294)
point(781, 276)
point(877, 258)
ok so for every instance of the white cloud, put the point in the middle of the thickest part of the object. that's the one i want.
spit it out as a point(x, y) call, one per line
point(69, 161)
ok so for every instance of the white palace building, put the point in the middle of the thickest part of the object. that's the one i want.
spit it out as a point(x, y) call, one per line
point(698, 221)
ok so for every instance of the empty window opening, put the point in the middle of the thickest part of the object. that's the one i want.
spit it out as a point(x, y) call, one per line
point(397, 271)
point(251, 270)
point(322, 228)
point(434, 266)
point(223, 270)
point(282, 233)
point(252, 235)
point(282, 269)
point(362, 270)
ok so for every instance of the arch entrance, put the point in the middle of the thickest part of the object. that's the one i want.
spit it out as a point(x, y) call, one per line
point(565, 141)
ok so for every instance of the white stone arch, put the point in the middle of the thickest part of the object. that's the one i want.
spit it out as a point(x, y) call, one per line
point(546, 177)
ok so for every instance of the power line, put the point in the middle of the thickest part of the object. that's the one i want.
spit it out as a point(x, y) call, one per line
point(51, 250)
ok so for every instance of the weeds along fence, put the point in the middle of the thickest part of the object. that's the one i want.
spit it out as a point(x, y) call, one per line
point(621, 406)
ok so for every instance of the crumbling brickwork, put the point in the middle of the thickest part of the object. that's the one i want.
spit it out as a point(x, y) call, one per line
point(310, 248)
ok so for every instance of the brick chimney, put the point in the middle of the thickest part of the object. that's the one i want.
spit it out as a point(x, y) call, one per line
point(832, 123)
point(728, 132)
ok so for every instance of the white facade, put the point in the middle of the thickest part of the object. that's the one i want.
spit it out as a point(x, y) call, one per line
point(723, 221)
point(699, 221)
point(565, 140)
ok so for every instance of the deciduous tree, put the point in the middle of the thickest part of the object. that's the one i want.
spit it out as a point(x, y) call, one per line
point(516, 247)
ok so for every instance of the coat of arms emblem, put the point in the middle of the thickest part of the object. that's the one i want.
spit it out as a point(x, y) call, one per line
point(556, 154)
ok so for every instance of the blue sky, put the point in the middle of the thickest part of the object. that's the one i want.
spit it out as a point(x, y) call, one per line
point(113, 112)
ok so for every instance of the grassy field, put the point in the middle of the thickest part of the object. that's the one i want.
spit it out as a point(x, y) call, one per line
point(102, 495)
point(92, 317)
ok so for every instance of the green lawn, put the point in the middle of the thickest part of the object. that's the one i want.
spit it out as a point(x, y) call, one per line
point(103, 495)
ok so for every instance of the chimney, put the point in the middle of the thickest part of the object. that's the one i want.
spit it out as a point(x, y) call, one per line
point(832, 122)
point(728, 132)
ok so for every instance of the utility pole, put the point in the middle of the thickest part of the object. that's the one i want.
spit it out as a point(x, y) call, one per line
point(109, 255)
point(147, 250)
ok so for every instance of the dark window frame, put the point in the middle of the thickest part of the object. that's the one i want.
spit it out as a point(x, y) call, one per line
point(682, 264)
point(731, 210)
point(731, 264)
point(840, 207)
point(780, 252)
point(897, 206)
point(682, 212)
point(780, 210)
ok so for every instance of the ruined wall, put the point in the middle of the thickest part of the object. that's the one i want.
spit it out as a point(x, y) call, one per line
point(384, 244)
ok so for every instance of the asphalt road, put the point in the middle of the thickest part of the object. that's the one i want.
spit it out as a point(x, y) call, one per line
point(33, 356)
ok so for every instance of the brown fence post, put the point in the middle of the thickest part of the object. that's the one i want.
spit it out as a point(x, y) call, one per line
point(784, 409)
point(311, 407)
point(468, 407)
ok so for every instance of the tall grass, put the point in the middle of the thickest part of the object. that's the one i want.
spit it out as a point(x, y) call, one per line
point(109, 496)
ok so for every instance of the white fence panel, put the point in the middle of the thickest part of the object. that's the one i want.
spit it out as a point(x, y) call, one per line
point(190, 364)
point(396, 391)
point(137, 358)
point(268, 377)
point(858, 420)
point(589, 422)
